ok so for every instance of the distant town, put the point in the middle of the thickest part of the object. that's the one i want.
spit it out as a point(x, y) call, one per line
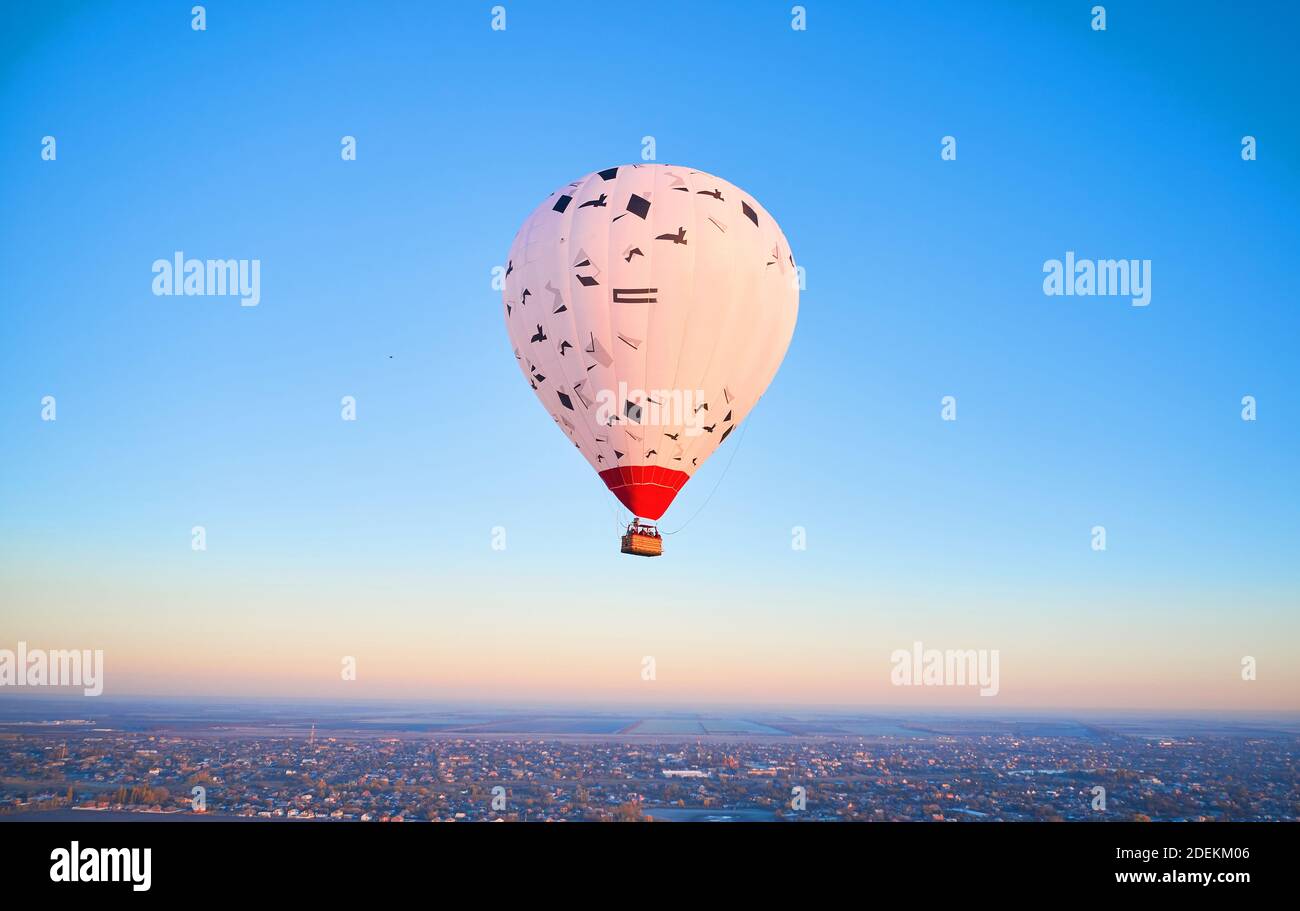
point(411, 765)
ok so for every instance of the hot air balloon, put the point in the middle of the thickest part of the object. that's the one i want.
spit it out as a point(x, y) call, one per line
point(649, 306)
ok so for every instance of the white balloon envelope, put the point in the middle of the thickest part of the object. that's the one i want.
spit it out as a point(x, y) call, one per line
point(649, 307)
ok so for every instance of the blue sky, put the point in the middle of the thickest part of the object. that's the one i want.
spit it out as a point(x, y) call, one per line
point(923, 280)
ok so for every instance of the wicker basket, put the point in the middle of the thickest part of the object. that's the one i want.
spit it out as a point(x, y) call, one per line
point(642, 545)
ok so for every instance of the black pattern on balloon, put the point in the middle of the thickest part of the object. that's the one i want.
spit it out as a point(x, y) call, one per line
point(584, 262)
point(557, 306)
point(749, 212)
point(608, 173)
point(597, 203)
point(598, 352)
point(562, 203)
point(678, 238)
point(638, 206)
point(635, 295)
point(539, 336)
point(634, 251)
point(715, 193)
point(563, 345)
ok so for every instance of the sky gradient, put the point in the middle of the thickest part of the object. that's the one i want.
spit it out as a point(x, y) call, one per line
point(924, 279)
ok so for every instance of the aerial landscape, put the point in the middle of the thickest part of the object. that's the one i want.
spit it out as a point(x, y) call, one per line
point(847, 428)
point(406, 762)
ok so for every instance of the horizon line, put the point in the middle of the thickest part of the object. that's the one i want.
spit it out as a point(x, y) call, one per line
point(614, 705)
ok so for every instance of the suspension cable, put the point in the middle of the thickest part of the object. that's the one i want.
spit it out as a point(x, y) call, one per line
point(735, 449)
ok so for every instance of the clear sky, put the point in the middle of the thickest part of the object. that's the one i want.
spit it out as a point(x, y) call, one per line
point(373, 539)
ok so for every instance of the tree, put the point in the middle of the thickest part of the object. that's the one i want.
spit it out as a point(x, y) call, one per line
point(629, 812)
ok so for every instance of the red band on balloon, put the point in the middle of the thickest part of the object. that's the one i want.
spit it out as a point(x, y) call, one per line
point(646, 490)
